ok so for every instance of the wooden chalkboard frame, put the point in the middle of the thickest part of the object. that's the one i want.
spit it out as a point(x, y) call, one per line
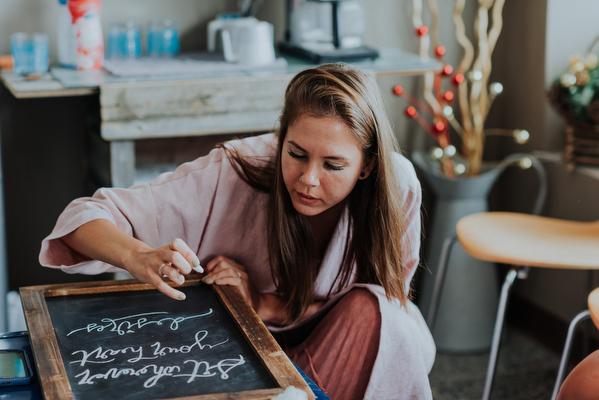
point(51, 370)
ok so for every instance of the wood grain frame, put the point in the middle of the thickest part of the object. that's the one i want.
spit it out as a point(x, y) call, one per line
point(51, 371)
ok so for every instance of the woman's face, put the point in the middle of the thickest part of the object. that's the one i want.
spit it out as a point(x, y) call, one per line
point(325, 154)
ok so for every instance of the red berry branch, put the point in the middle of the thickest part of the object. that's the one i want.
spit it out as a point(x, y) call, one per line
point(467, 84)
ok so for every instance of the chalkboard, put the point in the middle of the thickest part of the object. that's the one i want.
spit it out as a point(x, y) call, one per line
point(126, 340)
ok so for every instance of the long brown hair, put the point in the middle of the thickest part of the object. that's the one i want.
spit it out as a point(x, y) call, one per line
point(377, 217)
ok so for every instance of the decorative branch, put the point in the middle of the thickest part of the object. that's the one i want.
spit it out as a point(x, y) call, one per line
point(497, 25)
point(432, 5)
point(470, 81)
point(464, 64)
point(473, 144)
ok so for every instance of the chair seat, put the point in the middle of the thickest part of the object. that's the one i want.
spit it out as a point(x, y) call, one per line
point(530, 240)
point(594, 306)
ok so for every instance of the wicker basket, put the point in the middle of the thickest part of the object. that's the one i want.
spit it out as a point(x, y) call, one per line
point(582, 145)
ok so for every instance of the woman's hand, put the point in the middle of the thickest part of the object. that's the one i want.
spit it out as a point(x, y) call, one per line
point(225, 271)
point(101, 240)
point(173, 261)
point(268, 306)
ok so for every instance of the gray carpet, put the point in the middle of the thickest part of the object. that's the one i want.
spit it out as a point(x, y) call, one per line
point(526, 371)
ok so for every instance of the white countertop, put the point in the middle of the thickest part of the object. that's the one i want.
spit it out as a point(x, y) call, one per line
point(65, 82)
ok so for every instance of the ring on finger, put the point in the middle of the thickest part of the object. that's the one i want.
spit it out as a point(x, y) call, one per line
point(161, 268)
point(239, 274)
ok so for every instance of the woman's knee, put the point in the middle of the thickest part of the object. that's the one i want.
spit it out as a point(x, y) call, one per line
point(361, 305)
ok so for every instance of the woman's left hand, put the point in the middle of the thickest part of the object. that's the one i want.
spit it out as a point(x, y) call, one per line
point(225, 271)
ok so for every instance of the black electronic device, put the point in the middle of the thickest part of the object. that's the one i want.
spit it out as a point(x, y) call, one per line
point(15, 368)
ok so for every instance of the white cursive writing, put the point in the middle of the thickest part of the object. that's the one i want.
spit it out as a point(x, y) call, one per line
point(103, 356)
point(130, 323)
point(201, 369)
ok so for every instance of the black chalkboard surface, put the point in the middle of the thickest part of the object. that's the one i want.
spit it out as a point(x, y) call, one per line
point(126, 340)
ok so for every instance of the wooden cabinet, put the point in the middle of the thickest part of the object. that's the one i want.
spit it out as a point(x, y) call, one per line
point(181, 109)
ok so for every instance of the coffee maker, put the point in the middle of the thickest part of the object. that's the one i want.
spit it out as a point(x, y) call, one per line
point(326, 31)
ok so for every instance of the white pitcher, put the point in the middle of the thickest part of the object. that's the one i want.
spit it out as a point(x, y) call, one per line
point(245, 40)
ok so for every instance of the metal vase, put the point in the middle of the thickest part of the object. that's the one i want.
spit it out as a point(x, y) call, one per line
point(469, 297)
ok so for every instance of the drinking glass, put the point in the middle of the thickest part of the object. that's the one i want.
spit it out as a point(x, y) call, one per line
point(131, 43)
point(29, 52)
point(163, 38)
point(40, 53)
point(20, 48)
point(170, 38)
point(115, 38)
point(155, 29)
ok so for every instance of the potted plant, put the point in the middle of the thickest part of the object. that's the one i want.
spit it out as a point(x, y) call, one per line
point(574, 94)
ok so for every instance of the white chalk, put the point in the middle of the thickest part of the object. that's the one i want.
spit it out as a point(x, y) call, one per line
point(198, 269)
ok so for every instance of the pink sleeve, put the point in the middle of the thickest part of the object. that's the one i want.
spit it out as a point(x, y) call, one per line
point(174, 205)
point(412, 197)
point(179, 204)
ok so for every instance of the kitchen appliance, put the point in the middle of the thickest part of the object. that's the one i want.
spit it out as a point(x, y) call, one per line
point(242, 39)
point(326, 31)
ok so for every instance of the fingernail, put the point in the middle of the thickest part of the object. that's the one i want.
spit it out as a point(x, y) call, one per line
point(182, 296)
point(217, 281)
point(196, 263)
point(207, 280)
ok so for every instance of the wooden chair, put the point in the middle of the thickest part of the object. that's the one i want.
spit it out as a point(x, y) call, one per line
point(523, 241)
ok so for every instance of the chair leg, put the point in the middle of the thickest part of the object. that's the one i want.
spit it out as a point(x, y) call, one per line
point(581, 316)
point(439, 280)
point(497, 331)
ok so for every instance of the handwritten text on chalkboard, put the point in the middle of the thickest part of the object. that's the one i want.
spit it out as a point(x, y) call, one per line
point(153, 347)
point(130, 325)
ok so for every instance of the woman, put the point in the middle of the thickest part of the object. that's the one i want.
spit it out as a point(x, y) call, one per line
point(317, 225)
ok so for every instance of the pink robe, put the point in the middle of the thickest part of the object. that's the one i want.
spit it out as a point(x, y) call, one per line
point(205, 203)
